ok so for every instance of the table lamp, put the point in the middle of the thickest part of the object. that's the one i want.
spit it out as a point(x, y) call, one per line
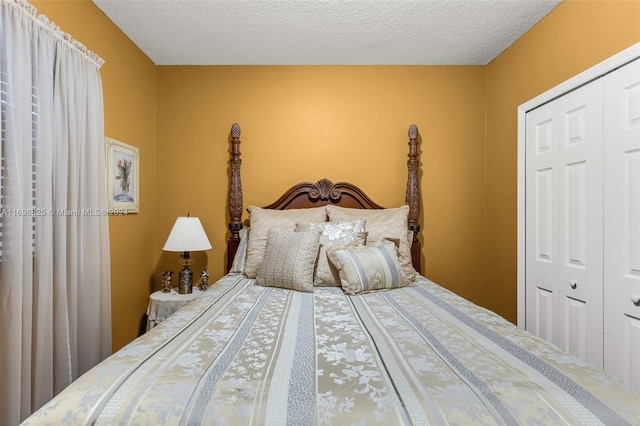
point(186, 235)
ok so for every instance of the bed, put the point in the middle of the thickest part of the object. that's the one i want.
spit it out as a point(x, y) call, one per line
point(384, 345)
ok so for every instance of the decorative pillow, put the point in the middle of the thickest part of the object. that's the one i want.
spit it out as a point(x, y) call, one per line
point(349, 233)
point(289, 259)
point(381, 224)
point(368, 268)
point(262, 220)
point(237, 266)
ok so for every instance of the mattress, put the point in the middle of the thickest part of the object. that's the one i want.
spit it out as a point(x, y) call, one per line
point(246, 354)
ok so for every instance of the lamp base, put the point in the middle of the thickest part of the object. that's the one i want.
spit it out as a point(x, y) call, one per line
point(185, 283)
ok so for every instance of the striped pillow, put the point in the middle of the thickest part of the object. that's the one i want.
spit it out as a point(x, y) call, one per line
point(368, 268)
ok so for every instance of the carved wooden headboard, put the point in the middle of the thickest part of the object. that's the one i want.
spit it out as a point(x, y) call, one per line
point(308, 194)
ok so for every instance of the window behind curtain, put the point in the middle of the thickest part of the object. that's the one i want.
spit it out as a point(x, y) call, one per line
point(25, 210)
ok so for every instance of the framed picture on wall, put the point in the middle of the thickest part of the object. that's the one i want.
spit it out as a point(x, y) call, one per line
point(123, 177)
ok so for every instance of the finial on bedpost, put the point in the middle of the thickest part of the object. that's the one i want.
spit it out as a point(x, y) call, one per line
point(235, 130)
point(413, 132)
point(412, 198)
point(235, 196)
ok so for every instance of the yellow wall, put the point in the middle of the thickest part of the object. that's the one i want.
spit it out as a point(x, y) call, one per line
point(129, 86)
point(341, 123)
point(574, 37)
point(316, 118)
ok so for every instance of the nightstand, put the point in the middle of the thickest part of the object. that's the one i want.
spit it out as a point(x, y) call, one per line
point(162, 305)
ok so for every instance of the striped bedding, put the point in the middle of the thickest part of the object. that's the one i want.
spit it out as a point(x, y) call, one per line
point(243, 354)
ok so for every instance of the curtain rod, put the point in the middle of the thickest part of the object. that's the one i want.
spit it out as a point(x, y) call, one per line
point(44, 22)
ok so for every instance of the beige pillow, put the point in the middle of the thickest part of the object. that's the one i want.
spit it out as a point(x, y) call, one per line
point(289, 259)
point(368, 268)
point(349, 233)
point(262, 220)
point(382, 224)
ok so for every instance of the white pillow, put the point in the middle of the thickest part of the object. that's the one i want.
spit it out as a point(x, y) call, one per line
point(349, 233)
point(237, 266)
point(382, 224)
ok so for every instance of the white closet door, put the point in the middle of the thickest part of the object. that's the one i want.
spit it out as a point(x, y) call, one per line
point(564, 263)
point(541, 223)
point(622, 223)
point(580, 210)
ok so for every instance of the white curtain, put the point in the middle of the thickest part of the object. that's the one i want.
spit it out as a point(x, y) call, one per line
point(55, 303)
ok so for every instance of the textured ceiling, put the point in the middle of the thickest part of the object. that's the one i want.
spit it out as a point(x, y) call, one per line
point(324, 32)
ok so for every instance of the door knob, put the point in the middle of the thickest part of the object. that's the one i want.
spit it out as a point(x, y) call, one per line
point(635, 298)
point(573, 284)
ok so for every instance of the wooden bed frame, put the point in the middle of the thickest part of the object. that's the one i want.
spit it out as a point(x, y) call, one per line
point(308, 194)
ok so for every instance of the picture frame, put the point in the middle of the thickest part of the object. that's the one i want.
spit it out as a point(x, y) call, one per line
point(123, 176)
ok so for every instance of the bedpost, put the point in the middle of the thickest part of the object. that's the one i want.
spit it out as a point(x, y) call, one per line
point(412, 198)
point(235, 196)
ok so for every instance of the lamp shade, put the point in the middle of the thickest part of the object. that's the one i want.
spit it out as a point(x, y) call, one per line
point(187, 234)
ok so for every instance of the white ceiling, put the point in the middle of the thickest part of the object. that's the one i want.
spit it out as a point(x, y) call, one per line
point(324, 32)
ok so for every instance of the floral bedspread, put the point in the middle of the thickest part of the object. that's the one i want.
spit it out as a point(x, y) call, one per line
point(243, 354)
